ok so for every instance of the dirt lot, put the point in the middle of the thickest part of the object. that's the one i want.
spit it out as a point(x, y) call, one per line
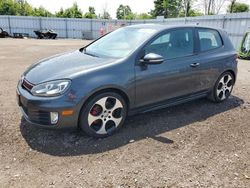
point(198, 144)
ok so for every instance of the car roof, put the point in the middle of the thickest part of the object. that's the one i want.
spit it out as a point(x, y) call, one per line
point(160, 27)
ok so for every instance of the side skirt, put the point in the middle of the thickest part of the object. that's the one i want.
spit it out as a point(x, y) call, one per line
point(168, 103)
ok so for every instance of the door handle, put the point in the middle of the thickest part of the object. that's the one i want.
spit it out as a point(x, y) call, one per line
point(194, 64)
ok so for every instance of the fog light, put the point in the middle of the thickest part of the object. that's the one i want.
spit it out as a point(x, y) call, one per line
point(53, 117)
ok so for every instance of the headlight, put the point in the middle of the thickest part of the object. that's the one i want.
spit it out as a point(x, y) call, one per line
point(53, 88)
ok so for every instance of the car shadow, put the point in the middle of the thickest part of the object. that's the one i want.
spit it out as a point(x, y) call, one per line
point(72, 142)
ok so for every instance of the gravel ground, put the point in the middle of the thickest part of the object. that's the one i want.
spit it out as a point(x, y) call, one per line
point(198, 144)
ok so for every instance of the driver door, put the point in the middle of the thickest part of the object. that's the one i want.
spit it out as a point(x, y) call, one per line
point(173, 78)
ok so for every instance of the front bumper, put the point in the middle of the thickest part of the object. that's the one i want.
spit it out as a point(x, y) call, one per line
point(36, 110)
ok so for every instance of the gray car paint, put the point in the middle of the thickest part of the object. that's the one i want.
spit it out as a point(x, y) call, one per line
point(146, 87)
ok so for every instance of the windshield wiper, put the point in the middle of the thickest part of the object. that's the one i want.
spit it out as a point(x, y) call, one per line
point(87, 53)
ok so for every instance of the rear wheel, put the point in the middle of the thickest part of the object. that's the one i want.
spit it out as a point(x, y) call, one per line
point(223, 87)
point(103, 114)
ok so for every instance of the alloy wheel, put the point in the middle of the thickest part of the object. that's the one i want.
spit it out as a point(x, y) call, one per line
point(224, 87)
point(105, 115)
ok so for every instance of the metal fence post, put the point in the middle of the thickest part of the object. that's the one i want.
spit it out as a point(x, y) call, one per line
point(66, 28)
point(223, 22)
point(91, 28)
point(185, 20)
point(9, 24)
point(40, 23)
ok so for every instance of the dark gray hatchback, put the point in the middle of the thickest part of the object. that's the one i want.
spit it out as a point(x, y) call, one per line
point(131, 70)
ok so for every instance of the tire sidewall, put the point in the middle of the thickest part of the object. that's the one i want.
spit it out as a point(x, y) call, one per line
point(83, 118)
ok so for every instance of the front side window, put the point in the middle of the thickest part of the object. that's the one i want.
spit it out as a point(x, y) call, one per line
point(173, 44)
point(209, 39)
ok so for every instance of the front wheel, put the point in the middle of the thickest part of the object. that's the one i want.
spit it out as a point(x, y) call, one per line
point(103, 114)
point(223, 87)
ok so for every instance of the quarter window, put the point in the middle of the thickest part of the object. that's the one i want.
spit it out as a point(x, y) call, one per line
point(173, 44)
point(209, 39)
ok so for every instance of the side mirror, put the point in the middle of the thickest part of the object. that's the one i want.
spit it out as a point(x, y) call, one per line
point(152, 59)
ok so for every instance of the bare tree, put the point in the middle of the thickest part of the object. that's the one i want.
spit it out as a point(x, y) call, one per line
point(187, 6)
point(218, 5)
point(210, 4)
point(213, 6)
point(207, 5)
point(232, 5)
point(105, 14)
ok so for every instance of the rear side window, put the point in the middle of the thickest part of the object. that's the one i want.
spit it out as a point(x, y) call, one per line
point(209, 39)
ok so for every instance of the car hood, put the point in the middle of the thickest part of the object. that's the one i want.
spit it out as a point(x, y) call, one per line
point(63, 66)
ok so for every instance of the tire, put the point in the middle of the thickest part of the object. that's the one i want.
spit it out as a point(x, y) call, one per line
point(222, 88)
point(103, 114)
point(5, 33)
point(54, 36)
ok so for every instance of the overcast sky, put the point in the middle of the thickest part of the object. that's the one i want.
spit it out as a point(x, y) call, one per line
point(137, 6)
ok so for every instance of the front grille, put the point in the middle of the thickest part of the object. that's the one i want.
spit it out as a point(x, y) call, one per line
point(37, 116)
point(27, 85)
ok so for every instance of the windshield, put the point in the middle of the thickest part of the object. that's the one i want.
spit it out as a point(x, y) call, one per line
point(119, 43)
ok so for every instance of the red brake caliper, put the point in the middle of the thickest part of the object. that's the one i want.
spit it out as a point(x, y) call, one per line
point(94, 111)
